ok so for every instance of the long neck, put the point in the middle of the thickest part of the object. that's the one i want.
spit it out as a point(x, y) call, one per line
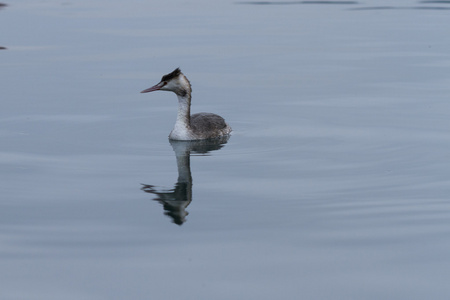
point(184, 112)
point(184, 167)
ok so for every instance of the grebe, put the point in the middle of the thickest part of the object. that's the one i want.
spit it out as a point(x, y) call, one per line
point(189, 127)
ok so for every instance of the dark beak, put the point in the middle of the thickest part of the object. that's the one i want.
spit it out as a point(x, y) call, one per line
point(154, 88)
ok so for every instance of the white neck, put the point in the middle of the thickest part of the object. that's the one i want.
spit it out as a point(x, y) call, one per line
point(182, 125)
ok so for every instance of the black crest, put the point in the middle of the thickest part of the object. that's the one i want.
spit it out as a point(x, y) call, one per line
point(172, 75)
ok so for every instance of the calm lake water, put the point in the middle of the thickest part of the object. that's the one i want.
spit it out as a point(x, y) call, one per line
point(334, 184)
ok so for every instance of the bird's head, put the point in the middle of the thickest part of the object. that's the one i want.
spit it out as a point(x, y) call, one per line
point(174, 82)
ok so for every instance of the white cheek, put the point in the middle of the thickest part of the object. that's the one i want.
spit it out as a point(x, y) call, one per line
point(169, 86)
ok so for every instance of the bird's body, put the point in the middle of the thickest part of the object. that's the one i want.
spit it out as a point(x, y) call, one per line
point(190, 127)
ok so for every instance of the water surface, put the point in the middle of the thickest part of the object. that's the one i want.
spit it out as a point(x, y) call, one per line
point(334, 184)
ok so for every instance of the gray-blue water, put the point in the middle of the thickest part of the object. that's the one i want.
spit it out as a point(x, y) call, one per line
point(334, 185)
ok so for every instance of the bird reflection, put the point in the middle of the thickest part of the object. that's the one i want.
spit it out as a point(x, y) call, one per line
point(1, 6)
point(176, 200)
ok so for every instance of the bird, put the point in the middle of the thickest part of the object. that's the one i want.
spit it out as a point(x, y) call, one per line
point(199, 126)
